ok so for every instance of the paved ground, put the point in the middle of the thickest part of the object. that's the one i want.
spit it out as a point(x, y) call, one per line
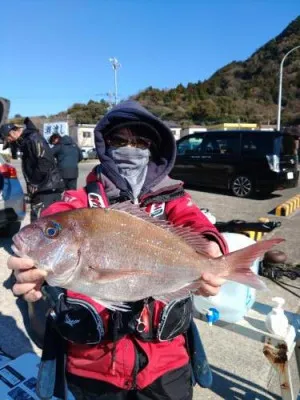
point(240, 369)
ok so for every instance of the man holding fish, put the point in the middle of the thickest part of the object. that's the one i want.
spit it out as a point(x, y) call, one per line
point(121, 258)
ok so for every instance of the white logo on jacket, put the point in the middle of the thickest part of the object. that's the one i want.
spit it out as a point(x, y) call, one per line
point(157, 210)
point(69, 199)
point(70, 321)
point(95, 200)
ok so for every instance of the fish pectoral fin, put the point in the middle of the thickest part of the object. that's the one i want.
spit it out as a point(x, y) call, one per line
point(109, 275)
point(113, 305)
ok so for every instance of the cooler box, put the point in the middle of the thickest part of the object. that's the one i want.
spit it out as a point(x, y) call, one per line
point(18, 378)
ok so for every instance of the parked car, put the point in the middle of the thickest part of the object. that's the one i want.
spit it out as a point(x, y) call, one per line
point(12, 199)
point(84, 154)
point(92, 154)
point(240, 161)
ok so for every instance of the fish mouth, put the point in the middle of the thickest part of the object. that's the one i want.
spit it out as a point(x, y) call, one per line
point(19, 247)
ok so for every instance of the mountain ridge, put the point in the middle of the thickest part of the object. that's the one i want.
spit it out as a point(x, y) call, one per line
point(241, 91)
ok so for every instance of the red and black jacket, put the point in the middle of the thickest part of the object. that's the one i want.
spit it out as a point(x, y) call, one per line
point(124, 356)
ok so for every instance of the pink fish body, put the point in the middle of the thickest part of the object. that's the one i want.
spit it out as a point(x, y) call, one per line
point(120, 254)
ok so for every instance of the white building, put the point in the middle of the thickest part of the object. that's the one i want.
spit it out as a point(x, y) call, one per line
point(267, 127)
point(83, 135)
point(176, 132)
point(174, 128)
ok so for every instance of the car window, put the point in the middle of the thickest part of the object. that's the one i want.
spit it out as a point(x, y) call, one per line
point(221, 144)
point(190, 145)
point(288, 145)
point(257, 143)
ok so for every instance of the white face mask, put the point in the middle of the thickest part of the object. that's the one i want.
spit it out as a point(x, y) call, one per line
point(132, 164)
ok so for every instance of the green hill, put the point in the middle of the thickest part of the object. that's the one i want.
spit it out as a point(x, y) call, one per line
point(242, 90)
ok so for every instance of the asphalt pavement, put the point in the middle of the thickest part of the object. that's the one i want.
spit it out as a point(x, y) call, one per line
point(240, 369)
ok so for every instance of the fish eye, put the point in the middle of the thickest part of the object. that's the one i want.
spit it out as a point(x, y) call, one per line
point(52, 229)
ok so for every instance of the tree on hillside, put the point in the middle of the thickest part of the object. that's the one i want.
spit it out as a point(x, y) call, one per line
point(89, 113)
point(242, 89)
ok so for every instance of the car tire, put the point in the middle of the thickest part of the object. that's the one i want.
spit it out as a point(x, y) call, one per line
point(241, 186)
point(11, 229)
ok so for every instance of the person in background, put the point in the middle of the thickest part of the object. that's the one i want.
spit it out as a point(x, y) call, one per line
point(150, 352)
point(44, 182)
point(68, 155)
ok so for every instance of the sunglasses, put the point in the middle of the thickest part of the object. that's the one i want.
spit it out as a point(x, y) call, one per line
point(135, 141)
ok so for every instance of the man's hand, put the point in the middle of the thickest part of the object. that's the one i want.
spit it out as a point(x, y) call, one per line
point(214, 249)
point(209, 284)
point(29, 279)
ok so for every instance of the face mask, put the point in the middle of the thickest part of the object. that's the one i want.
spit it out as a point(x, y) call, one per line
point(132, 164)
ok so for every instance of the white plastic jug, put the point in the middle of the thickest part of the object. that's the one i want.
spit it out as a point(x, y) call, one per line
point(234, 299)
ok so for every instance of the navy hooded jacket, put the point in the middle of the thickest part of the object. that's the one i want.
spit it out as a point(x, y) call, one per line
point(161, 135)
point(68, 155)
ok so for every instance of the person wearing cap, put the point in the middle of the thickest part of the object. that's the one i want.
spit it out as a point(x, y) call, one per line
point(151, 351)
point(43, 180)
point(67, 155)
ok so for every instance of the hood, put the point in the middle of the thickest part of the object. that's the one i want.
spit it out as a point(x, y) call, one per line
point(66, 140)
point(132, 111)
point(29, 127)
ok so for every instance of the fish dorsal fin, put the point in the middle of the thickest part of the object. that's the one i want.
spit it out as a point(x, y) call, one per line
point(193, 238)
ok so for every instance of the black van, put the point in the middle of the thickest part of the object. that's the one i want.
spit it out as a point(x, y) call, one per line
point(241, 161)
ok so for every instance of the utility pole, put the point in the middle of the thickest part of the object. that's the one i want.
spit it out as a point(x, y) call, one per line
point(280, 86)
point(115, 65)
point(109, 96)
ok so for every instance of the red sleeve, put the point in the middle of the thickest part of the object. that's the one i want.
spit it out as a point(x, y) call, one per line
point(91, 176)
point(71, 199)
point(184, 212)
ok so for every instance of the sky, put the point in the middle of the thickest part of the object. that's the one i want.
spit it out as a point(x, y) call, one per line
point(54, 53)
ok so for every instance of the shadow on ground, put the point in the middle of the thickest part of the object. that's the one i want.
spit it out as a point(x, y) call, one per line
point(33, 314)
point(5, 243)
point(230, 386)
point(13, 341)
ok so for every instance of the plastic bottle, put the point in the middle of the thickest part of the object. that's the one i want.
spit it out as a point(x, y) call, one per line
point(234, 299)
point(276, 321)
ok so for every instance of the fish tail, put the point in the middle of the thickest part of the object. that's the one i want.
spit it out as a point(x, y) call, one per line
point(239, 263)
